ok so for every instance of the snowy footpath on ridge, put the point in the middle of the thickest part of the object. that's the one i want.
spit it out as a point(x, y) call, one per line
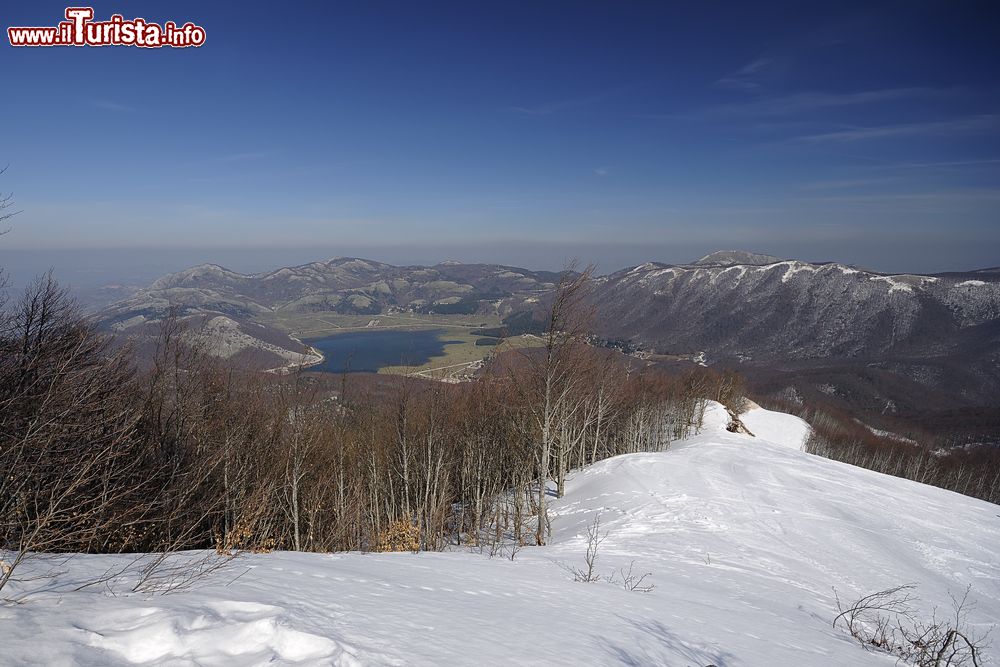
point(745, 539)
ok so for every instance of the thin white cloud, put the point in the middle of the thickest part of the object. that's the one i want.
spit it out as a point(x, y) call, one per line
point(944, 128)
point(547, 108)
point(952, 197)
point(845, 184)
point(943, 164)
point(746, 77)
point(804, 102)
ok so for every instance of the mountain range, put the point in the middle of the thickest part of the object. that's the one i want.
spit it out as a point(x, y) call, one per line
point(884, 343)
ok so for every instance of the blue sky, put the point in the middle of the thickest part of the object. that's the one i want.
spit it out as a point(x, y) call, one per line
point(517, 132)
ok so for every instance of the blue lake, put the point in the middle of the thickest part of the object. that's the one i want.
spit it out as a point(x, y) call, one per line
point(368, 351)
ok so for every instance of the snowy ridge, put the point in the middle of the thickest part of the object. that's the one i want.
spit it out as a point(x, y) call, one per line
point(745, 538)
point(711, 268)
point(794, 310)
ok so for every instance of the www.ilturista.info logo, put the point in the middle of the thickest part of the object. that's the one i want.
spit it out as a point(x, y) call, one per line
point(79, 29)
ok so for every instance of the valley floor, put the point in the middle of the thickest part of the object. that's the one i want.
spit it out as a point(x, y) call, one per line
point(745, 537)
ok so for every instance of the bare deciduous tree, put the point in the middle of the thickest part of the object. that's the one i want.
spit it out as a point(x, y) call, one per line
point(553, 375)
point(6, 203)
point(73, 468)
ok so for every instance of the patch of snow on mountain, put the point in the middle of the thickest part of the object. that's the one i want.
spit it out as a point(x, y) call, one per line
point(846, 270)
point(740, 271)
point(648, 266)
point(648, 278)
point(279, 273)
point(793, 268)
point(895, 285)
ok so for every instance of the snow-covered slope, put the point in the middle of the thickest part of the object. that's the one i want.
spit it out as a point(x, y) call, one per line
point(776, 427)
point(745, 537)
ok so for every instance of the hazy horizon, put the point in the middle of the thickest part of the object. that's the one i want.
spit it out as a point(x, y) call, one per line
point(95, 267)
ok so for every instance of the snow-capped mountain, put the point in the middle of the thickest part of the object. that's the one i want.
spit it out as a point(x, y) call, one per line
point(761, 307)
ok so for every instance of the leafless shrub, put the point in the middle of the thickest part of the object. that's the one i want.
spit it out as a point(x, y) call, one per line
point(497, 544)
point(594, 540)
point(886, 621)
point(168, 572)
point(631, 580)
point(505, 549)
point(873, 619)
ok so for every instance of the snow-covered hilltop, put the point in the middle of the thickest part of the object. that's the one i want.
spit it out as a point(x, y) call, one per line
point(745, 539)
point(733, 257)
